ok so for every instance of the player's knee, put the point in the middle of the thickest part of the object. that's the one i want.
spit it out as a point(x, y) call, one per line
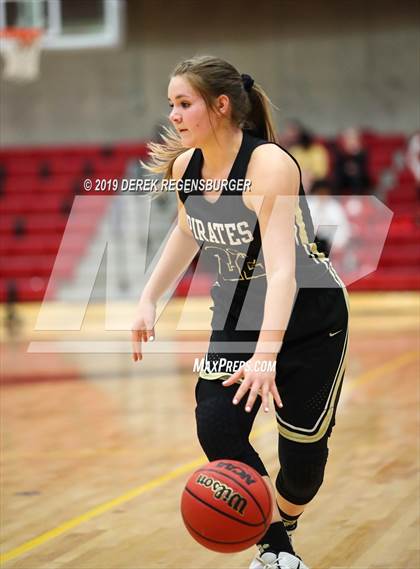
point(302, 472)
point(219, 433)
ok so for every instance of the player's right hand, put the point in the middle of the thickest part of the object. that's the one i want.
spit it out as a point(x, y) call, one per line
point(142, 329)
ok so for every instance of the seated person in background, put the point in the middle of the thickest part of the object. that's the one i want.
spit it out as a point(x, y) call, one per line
point(412, 157)
point(290, 134)
point(351, 175)
point(311, 155)
point(331, 225)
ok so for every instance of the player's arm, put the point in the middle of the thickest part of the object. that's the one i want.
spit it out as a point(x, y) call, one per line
point(179, 251)
point(275, 185)
point(273, 197)
point(180, 248)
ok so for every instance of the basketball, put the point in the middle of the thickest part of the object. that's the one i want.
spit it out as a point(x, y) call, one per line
point(226, 506)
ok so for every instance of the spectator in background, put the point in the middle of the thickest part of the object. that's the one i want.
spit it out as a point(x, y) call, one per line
point(330, 223)
point(311, 155)
point(351, 173)
point(290, 134)
point(413, 157)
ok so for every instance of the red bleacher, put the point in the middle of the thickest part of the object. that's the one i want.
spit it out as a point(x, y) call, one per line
point(38, 185)
point(399, 264)
point(37, 188)
point(381, 149)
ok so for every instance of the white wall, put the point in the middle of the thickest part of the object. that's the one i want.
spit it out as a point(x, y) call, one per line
point(330, 63)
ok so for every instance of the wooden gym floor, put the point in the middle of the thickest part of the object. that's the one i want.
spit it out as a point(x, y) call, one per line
point(96, 449)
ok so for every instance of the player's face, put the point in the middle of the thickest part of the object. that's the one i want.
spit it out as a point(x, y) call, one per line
point(189, 113)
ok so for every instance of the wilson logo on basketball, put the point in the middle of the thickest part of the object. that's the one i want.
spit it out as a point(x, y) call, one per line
point(224, 493)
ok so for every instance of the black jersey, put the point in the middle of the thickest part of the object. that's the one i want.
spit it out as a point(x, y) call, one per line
point(229, 235)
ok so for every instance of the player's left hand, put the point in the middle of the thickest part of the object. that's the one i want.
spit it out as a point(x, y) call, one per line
point(256, 382)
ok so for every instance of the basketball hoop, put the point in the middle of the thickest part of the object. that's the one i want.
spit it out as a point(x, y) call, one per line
point(21, 51)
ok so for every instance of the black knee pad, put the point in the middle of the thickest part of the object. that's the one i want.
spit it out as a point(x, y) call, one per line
point(302, 469)
point(221, 432)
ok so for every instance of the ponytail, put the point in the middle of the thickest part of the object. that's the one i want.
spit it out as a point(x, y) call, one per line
point(259, 121)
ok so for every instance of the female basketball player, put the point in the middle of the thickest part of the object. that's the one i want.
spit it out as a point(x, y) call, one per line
point(277, 299)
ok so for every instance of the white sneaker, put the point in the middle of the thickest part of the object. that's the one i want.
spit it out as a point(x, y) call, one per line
point(283, 560)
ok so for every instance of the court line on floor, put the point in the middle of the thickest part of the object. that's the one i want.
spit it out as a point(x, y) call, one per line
point(362, 379)
point(391, 365)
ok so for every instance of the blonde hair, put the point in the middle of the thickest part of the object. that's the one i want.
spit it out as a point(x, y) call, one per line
point(211, 77)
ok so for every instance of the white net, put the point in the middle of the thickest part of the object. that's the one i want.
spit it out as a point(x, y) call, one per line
point(21, 55)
